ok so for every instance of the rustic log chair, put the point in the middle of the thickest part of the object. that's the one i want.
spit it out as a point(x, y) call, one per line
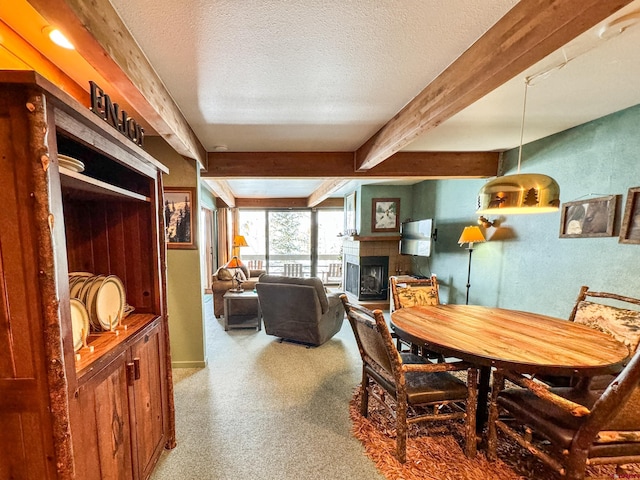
point(621, 323)
point(579, 427)
point(410, 380)
point(410, 292)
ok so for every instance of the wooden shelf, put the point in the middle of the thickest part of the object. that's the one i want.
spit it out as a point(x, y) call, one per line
point(91, 188)
point(100, 344)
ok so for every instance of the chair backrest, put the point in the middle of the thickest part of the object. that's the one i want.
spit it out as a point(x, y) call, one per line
point(617, 408)
point(293, 269)
point(374, 339)
point(314, 282)
point(411, 292)
point(612, 317)
point(254, 264)
point(335, 270)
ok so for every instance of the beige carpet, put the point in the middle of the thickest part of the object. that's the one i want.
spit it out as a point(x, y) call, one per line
point(266, 410)
point(436, 452)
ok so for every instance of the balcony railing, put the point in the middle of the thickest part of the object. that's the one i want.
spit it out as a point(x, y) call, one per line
point(329, 267)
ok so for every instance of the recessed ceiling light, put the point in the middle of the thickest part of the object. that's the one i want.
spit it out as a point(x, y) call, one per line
point(58, 37)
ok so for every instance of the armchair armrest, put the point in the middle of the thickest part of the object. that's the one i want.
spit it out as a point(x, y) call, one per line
point(542, 391)
point(436, 367)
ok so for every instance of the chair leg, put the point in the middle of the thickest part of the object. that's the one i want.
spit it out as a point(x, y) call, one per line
point(492, 433)
point(576, 464)
point(364, 400)
point(401, 428)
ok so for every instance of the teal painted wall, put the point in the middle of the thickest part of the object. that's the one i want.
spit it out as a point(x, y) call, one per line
point(525, 265)
point(364, 197)
point(185, 293)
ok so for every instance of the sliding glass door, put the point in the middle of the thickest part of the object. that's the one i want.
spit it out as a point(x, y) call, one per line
point(289, 242)
point(299, 243)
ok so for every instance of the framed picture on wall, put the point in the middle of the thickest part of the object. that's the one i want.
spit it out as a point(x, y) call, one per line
point(385, 215)
point(180, 220)
point(588, 218)
point(350, 214)
point(630, 231)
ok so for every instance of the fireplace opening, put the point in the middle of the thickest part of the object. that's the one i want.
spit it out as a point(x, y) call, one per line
point(367, 277)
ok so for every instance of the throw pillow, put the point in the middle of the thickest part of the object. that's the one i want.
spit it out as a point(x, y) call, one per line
point(224, 274)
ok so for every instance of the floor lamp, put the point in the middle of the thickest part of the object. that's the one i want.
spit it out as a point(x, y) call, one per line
point(470, 235)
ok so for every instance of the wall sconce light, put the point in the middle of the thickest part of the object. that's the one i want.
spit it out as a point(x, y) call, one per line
point(486, 223)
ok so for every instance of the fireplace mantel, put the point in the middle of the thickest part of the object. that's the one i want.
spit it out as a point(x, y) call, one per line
point(388, 238)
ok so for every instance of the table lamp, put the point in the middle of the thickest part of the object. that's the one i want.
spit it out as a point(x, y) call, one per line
point(236, 264)
point(470, 235)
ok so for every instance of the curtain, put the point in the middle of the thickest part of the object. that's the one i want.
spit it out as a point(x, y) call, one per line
point(224, 240)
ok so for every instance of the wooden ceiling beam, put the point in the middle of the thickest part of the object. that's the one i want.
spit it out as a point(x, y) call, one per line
point(530, 31)
point(222, 190)
point(340, 165)
point(100, 36)
point(293, 202)
point(325, 189)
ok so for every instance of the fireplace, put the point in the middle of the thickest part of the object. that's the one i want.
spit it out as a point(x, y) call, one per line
point(367, 277)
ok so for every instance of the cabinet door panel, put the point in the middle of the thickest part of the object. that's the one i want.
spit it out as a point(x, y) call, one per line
point(147, 399)
point(104, 447)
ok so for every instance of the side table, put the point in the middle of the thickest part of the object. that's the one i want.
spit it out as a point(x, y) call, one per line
point(241, 321)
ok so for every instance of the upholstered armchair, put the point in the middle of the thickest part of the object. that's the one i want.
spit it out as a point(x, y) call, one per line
point(299, 309)
point(222, 281)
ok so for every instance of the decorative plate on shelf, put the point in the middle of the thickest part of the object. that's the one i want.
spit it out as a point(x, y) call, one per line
point(106, 302)
point(70, 163)
point(79, 323)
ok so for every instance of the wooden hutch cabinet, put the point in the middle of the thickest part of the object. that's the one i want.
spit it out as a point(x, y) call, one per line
point(105, 410)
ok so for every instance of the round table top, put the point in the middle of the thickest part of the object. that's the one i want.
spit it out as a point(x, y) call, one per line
point(523, 341)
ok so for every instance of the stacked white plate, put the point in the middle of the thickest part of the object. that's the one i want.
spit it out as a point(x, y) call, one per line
point(103, 296)
point(70, 163)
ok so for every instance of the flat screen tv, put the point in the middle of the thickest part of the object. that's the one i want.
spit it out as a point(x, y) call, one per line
point(416, 238)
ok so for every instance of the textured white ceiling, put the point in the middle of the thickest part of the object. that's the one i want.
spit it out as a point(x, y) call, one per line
point(321, 75)
point(311, 75)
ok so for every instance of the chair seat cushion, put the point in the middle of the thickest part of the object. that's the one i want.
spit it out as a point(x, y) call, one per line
point(556, 424)
point(425, 387)
point(434, 387)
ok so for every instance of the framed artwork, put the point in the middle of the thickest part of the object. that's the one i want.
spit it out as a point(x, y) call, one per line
point(180, 220)
point(594, 217)
point(630, 230)
point(385, 215)
point(350, 214)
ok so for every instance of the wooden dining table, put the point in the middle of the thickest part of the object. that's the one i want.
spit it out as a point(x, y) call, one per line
point(520, 341)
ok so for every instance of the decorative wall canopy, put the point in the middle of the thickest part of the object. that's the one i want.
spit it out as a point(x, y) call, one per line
point(519, 193)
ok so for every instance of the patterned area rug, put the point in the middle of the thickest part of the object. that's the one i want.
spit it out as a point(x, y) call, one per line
point(435, 452)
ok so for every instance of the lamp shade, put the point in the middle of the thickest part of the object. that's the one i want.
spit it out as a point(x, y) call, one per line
point(239, 241)
point(471, 235)
point(519, 193)
point(234, 263)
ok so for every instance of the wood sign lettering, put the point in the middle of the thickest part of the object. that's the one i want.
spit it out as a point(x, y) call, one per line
point(110, 112)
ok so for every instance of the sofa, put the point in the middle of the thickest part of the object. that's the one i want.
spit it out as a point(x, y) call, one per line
point(299, 309)
point(222, 281)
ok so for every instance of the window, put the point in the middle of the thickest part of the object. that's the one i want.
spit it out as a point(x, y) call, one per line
point(296, 242)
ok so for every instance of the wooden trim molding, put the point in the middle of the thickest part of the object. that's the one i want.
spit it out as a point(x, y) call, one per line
point(105, 42)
